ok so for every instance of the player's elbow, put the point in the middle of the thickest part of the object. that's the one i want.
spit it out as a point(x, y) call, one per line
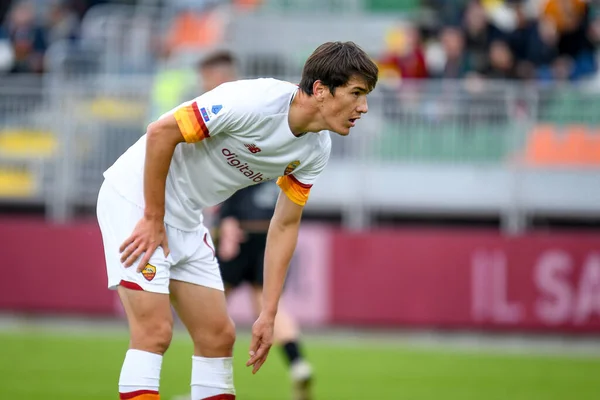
point(285, 221)
point(164, 131)
point(152, 127)
point(153, 131)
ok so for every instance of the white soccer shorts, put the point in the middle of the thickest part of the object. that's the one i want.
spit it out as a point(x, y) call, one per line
point(192, 257)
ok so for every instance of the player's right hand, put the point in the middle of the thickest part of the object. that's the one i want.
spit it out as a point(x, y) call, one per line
point(230, 238)
point(228, 249)
point(147, 235)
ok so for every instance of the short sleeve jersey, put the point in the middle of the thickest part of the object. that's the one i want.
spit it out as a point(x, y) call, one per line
point(236, 135)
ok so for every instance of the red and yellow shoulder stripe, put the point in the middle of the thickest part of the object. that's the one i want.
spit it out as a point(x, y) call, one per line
point(190, 123)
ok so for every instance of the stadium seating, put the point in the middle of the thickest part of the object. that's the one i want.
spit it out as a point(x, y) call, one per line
point(16, 183)
point(23, 152)
point(572, 145)
point(26, 143)
point(442, 143)
point(406, 6)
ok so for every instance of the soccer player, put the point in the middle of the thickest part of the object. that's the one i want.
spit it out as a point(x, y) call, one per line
point(244, 221)
point(158, 252)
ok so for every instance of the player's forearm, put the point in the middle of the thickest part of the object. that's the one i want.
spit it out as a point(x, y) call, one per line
point(159, 152)
point(281, 243)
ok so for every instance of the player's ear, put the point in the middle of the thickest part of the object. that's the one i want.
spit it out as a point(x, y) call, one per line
point(319, 90)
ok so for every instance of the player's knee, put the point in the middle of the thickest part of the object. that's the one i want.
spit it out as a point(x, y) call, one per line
point(220, 339)
point(229, 334)
point(225, 336)
point(153, 337)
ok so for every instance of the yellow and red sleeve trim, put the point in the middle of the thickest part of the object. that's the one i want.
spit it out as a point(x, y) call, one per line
point(295, 190)
point(191, 124)
point(140, 395)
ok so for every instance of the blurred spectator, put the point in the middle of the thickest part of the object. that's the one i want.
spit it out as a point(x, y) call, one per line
point(7, 55)
point(534, 42)
point(571, 17)
point(568, 15)
point(456, 59)
point(593, 32)
point(405, 56)
point(525, 28)
point(4, 7)
point(447, 12)
point(27, 37)
point(501, 62)
point(542, 48)
point(480, 33)
point(63, 23)
point(501, 14)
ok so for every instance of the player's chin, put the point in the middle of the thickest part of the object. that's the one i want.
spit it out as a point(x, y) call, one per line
point(343, 131)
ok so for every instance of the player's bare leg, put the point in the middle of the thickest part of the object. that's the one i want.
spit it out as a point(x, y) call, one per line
point(287, 335)
point(203, 311)
point(151, 327)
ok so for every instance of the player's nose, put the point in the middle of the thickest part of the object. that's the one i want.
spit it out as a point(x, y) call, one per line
point(363, 107)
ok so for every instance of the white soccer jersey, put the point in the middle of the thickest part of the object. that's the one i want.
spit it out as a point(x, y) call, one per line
point(237, 135)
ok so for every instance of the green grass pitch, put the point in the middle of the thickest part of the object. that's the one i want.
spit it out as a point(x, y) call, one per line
point(86, 366)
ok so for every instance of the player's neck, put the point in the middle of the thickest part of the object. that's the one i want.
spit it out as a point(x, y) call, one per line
point(304, 115)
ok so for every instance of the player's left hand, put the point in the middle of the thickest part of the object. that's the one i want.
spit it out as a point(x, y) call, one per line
point(262, 340)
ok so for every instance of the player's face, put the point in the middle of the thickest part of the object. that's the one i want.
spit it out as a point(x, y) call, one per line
point(342, 110)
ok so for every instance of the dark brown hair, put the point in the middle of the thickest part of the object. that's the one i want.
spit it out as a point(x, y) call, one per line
point(217, 58)
point(335, 63)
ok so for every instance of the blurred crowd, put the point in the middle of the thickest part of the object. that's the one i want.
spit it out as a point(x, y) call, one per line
point(29, 27)
point(543, 40)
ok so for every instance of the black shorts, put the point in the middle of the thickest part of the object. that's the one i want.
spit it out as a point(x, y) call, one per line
point(248, 266)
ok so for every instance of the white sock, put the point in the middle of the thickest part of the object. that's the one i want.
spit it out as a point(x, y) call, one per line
point(212, 377)
point(140, 372)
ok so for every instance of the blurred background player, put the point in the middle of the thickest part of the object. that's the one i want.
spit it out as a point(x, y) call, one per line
point(242, 222)
point(215, 68)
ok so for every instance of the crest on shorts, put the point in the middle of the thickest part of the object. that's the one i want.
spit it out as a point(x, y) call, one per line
point(149, 272)
point(291, 167)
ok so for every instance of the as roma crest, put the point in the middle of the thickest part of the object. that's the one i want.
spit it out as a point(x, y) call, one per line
point(149, 272)
point(291, 167)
